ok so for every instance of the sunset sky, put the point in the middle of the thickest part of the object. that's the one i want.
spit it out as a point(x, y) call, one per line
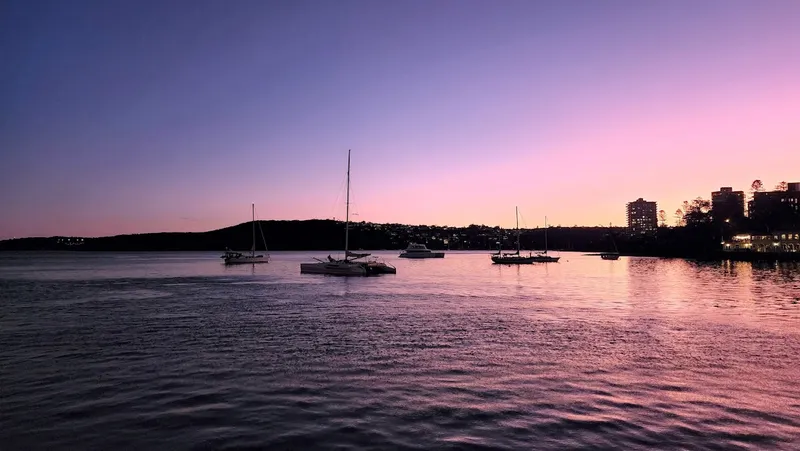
point(146, 116)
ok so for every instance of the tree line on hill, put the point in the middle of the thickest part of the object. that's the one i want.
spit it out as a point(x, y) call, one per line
point(698, 233)
point(328, 235)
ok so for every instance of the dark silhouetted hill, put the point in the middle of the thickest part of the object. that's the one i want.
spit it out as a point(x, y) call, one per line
point(691, 241)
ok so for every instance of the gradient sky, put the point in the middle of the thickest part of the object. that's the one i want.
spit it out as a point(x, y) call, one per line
point(146, 116)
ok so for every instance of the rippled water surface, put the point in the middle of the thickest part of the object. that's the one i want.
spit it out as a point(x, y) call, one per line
point(175, 351)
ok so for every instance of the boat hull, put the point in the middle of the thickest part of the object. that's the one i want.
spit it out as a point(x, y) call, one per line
point(375, 268)
point(609, 256)
point(246, 260)
point(334, 269)
point(422, 255)
point(513, 260)
point(545, 259)
point(359, 269)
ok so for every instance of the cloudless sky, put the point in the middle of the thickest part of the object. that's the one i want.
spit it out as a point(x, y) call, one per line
point(143, 116)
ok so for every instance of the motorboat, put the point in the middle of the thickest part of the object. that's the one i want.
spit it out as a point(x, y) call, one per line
point(415, 250)
point(542, 257)
point(374, 267)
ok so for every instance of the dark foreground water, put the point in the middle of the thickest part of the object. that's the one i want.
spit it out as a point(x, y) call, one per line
point(175, 351)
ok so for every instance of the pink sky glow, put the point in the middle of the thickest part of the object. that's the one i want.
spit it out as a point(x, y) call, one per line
point(454, 115)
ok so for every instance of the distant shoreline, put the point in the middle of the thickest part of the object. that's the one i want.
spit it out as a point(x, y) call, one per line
point(715, 257)
point(318, 235)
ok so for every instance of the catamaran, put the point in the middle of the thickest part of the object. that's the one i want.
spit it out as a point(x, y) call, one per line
point(237, 258)
point(513, 258)
point(542, 257)
point(352, 264)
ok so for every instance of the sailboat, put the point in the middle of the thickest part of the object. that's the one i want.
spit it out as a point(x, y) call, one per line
point(513, 258)
point(236, 258)
point(352, 264)
point(542, 257)
point(611, 255)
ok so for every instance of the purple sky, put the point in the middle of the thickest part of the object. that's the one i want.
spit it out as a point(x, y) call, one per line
point(142, 116)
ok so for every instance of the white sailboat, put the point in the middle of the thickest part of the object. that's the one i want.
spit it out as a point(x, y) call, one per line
point(237, 258)
point(513, 258)
point(351, 265)
point(542, 257)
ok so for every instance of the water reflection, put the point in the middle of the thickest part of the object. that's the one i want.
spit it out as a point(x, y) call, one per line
point(643, 286)
point(639, 352)
point(787, 271)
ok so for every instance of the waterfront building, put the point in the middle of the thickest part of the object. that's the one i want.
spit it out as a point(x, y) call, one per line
point(642, 217)
point(727, 204)
point(776, 207)
point(783, 241)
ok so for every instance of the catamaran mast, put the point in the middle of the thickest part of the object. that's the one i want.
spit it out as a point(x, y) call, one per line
point(347, 207)
point(253, 249)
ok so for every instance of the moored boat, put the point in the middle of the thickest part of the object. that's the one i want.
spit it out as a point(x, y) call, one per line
point(415, 250)
point(375, 267)
point(333, 267)
point(353, 264)
point(512, 258)
point(542, 257)
point(239, 258)
point(611, 255)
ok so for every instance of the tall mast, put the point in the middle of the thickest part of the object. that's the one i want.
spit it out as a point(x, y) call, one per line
point(611, 234)
point(253, 249)
point(545, 234)
point(347, 207)
point(516, 214)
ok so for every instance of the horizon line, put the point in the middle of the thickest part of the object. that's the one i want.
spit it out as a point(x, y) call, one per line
point(312, 219)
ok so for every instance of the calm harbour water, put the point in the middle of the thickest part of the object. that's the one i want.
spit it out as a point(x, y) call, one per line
point(176, 351)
